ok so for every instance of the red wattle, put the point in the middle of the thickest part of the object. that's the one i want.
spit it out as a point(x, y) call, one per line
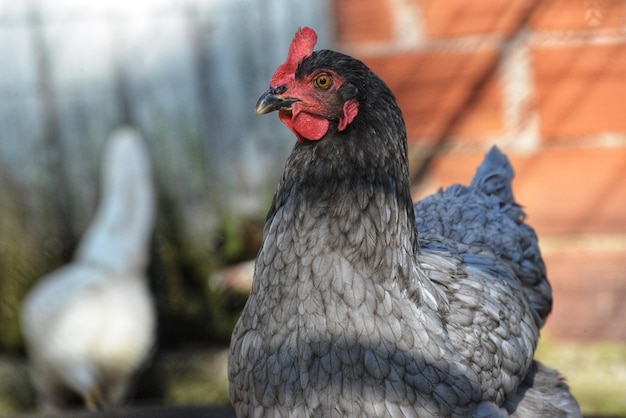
point(305, 125)
point(311, 127)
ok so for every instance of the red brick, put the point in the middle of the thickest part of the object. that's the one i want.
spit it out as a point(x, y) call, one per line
point(483, 115)
point(454, 18)
point(589, 290)
point(363, 20)
point(580, 90)
point(449, 168)
point(562, 190)
point(579, 15)
point(432, 87)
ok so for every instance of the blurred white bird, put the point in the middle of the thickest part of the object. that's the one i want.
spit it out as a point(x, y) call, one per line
point(90, 325)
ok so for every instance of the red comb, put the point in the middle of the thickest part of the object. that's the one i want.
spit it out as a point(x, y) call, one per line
point(301, 47)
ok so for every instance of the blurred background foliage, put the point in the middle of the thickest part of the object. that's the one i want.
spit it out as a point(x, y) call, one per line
point(187, 75)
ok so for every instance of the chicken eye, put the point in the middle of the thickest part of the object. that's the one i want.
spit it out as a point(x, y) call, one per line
point(323, 81)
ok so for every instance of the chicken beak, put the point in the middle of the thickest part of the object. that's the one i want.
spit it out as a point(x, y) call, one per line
point(270, 101)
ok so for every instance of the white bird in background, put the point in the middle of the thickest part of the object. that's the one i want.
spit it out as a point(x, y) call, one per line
point(90, 325)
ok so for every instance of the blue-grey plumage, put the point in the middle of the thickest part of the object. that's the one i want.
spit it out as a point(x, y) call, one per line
point(484, 225)
point(352, 313)
point(482, 220)
point(543, 393)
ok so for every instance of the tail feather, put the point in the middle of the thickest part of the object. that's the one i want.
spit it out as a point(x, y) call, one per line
point(495, 175)
point(485, 216)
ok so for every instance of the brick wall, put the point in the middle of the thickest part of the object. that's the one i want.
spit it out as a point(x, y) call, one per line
point(544, 80)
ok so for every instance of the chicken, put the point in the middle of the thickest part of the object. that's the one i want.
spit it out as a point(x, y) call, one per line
point(90, 325)
point(351, 313)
